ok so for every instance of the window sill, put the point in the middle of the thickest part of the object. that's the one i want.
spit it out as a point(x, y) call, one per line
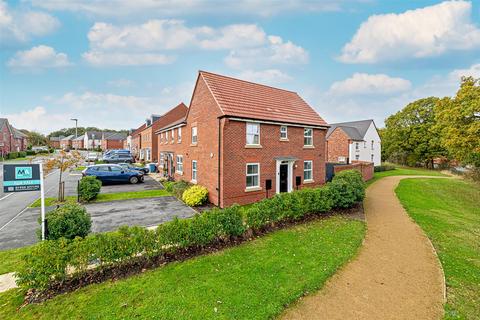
point(308, 147)
point(284, 139)
point(193, 144)
point(193, 181)
point(253, 146)
point(308, 181)
point(251, 189)
point(179, 173)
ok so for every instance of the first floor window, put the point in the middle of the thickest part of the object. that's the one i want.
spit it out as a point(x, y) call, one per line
point(283, 132)
point(308, 137)
point(357, 157)
point(180, 134)
point(253, 133)
point(194, 170)
point(373, 144)
point(180, 164)
point(372, 157)
point(166, 136)
point(194, 135)
point(356, 145)
point(307, 170)
point(253, 173)
point(173, 135)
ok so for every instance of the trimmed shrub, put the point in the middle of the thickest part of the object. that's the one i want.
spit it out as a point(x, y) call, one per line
point(195, 195)
point(384, 167)
point(30, 153)
point(89, 188)
point(168, 185)
point(22, 154)
point(179, 188)
point(347, 188)
point(12, 155)
point(68, 221)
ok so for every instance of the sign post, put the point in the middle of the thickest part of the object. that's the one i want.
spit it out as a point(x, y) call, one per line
point(24, 178)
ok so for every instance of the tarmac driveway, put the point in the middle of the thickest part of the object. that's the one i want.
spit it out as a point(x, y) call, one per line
point(106, 216)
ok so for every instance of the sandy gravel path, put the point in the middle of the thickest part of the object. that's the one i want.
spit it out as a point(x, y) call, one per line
point(396, 274)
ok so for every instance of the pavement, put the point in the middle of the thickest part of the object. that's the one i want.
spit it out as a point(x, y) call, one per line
point(396, 275)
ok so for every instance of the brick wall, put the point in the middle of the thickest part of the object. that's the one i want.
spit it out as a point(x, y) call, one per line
point(5, 140)
point(112, 144)
point(77, 144)
point(366, 168)
point(337, 145)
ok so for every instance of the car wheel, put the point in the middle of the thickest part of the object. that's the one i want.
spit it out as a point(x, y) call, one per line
point(141, 179)
point(133, 180)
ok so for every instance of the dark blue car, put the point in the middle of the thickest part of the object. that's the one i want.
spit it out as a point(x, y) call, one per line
point(112, 173)
point(129, 166)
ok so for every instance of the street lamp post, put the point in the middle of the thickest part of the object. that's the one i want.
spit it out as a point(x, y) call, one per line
point(76, 128)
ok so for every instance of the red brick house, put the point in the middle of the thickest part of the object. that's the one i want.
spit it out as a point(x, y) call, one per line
point(54, 142)
point(11, 139)
point(112, 140)
point(136, 141)
point(67, 142)
point(78, 142)
point(244, 141)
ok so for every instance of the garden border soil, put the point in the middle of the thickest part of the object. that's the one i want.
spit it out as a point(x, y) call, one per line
point(141, 264)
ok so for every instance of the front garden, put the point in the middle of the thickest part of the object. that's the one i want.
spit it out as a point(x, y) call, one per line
point(58, 265)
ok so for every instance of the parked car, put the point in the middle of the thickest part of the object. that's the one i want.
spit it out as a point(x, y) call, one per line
point(132, 167)
point(113, 173)
point(92, 156)
point(119, 158)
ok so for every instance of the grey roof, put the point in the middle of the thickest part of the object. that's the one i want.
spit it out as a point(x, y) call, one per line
point(3, 121)
point(56, 138)
point(79, 138)
point(114, 136)
point(97, 134)
point(356, 130)
point(17, 133)
point(70, 137)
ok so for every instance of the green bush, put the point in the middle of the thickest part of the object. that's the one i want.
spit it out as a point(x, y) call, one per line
point(384, 167)
point(195, 195)
point(22, 154)
point(68, 221)
point(168, 185)
point(347, 188)
point(54, 260)
point(12, 155)
point(30, 153)
point(89, 188)
point(179, 188)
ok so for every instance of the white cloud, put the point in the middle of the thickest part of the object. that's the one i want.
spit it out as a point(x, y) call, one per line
point(189, 7)
point(154, 42)
point(21, 26)
point(39, 57)
point(418, 33)
point(38, 119)
point(269, 76)
point(365, 84)
point(276, 51)
point(99, 58)
point(473, 71)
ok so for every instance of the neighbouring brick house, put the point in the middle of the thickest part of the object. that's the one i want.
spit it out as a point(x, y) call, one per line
point(112, 140)
point(78, 142)
point(148, 140)
point(54, 142)
point(11, 139)
point(136, 141)
point(67, 142)
point(348, 142)
point(244, 141)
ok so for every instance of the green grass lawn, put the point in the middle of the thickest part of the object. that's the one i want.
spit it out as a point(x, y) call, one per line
point(448, 211)
point(255, 280)
point(79, 168)
point(404, 171)
point(9, 259)
point(104, 197)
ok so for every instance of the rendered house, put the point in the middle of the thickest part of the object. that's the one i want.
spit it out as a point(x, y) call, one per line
point(112, 140)
point(92, 139)
point(354, 141)
point(244, 141)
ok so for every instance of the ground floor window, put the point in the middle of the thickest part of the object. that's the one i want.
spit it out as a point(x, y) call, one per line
point(194, 170)
point(162, 160)
point(149, 155)
point(307, 170)
point(142, 154)
point(253, 174)
point(180, 164)
point(357, 157)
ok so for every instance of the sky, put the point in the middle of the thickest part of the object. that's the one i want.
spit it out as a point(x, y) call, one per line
point(113, 63)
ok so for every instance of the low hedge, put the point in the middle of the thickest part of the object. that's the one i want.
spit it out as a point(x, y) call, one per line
point(54, 261)
point(384, 167)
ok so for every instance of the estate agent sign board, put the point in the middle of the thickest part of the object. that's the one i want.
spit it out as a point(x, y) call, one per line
point(21, 177)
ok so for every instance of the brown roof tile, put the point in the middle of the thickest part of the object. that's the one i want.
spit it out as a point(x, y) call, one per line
point(245, 99)
point(173, 116)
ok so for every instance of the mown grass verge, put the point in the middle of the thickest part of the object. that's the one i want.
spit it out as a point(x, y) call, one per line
point(10, 259)
point(404, 171)
point(255, 280)
point(449, 213)
point(105, 197)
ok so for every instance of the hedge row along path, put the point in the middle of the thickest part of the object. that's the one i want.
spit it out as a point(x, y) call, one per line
point(396, 275)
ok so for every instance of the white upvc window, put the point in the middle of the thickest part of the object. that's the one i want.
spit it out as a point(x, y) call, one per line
point(173, 135)
point(161, 137)
point(194, 170)
point(179, 164)
point(166, 136)
point(371, 157)
point(308, 137)
point(180, 134)
point(373, 144)
point(253, 133)
point(308, 170)
point(253, 175)
point(357, 146)
point(162, 160)
point(194, 135)
point(148, 154)
point(283, 132)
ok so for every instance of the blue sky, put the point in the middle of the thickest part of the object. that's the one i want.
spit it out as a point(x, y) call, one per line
point(112, 63)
